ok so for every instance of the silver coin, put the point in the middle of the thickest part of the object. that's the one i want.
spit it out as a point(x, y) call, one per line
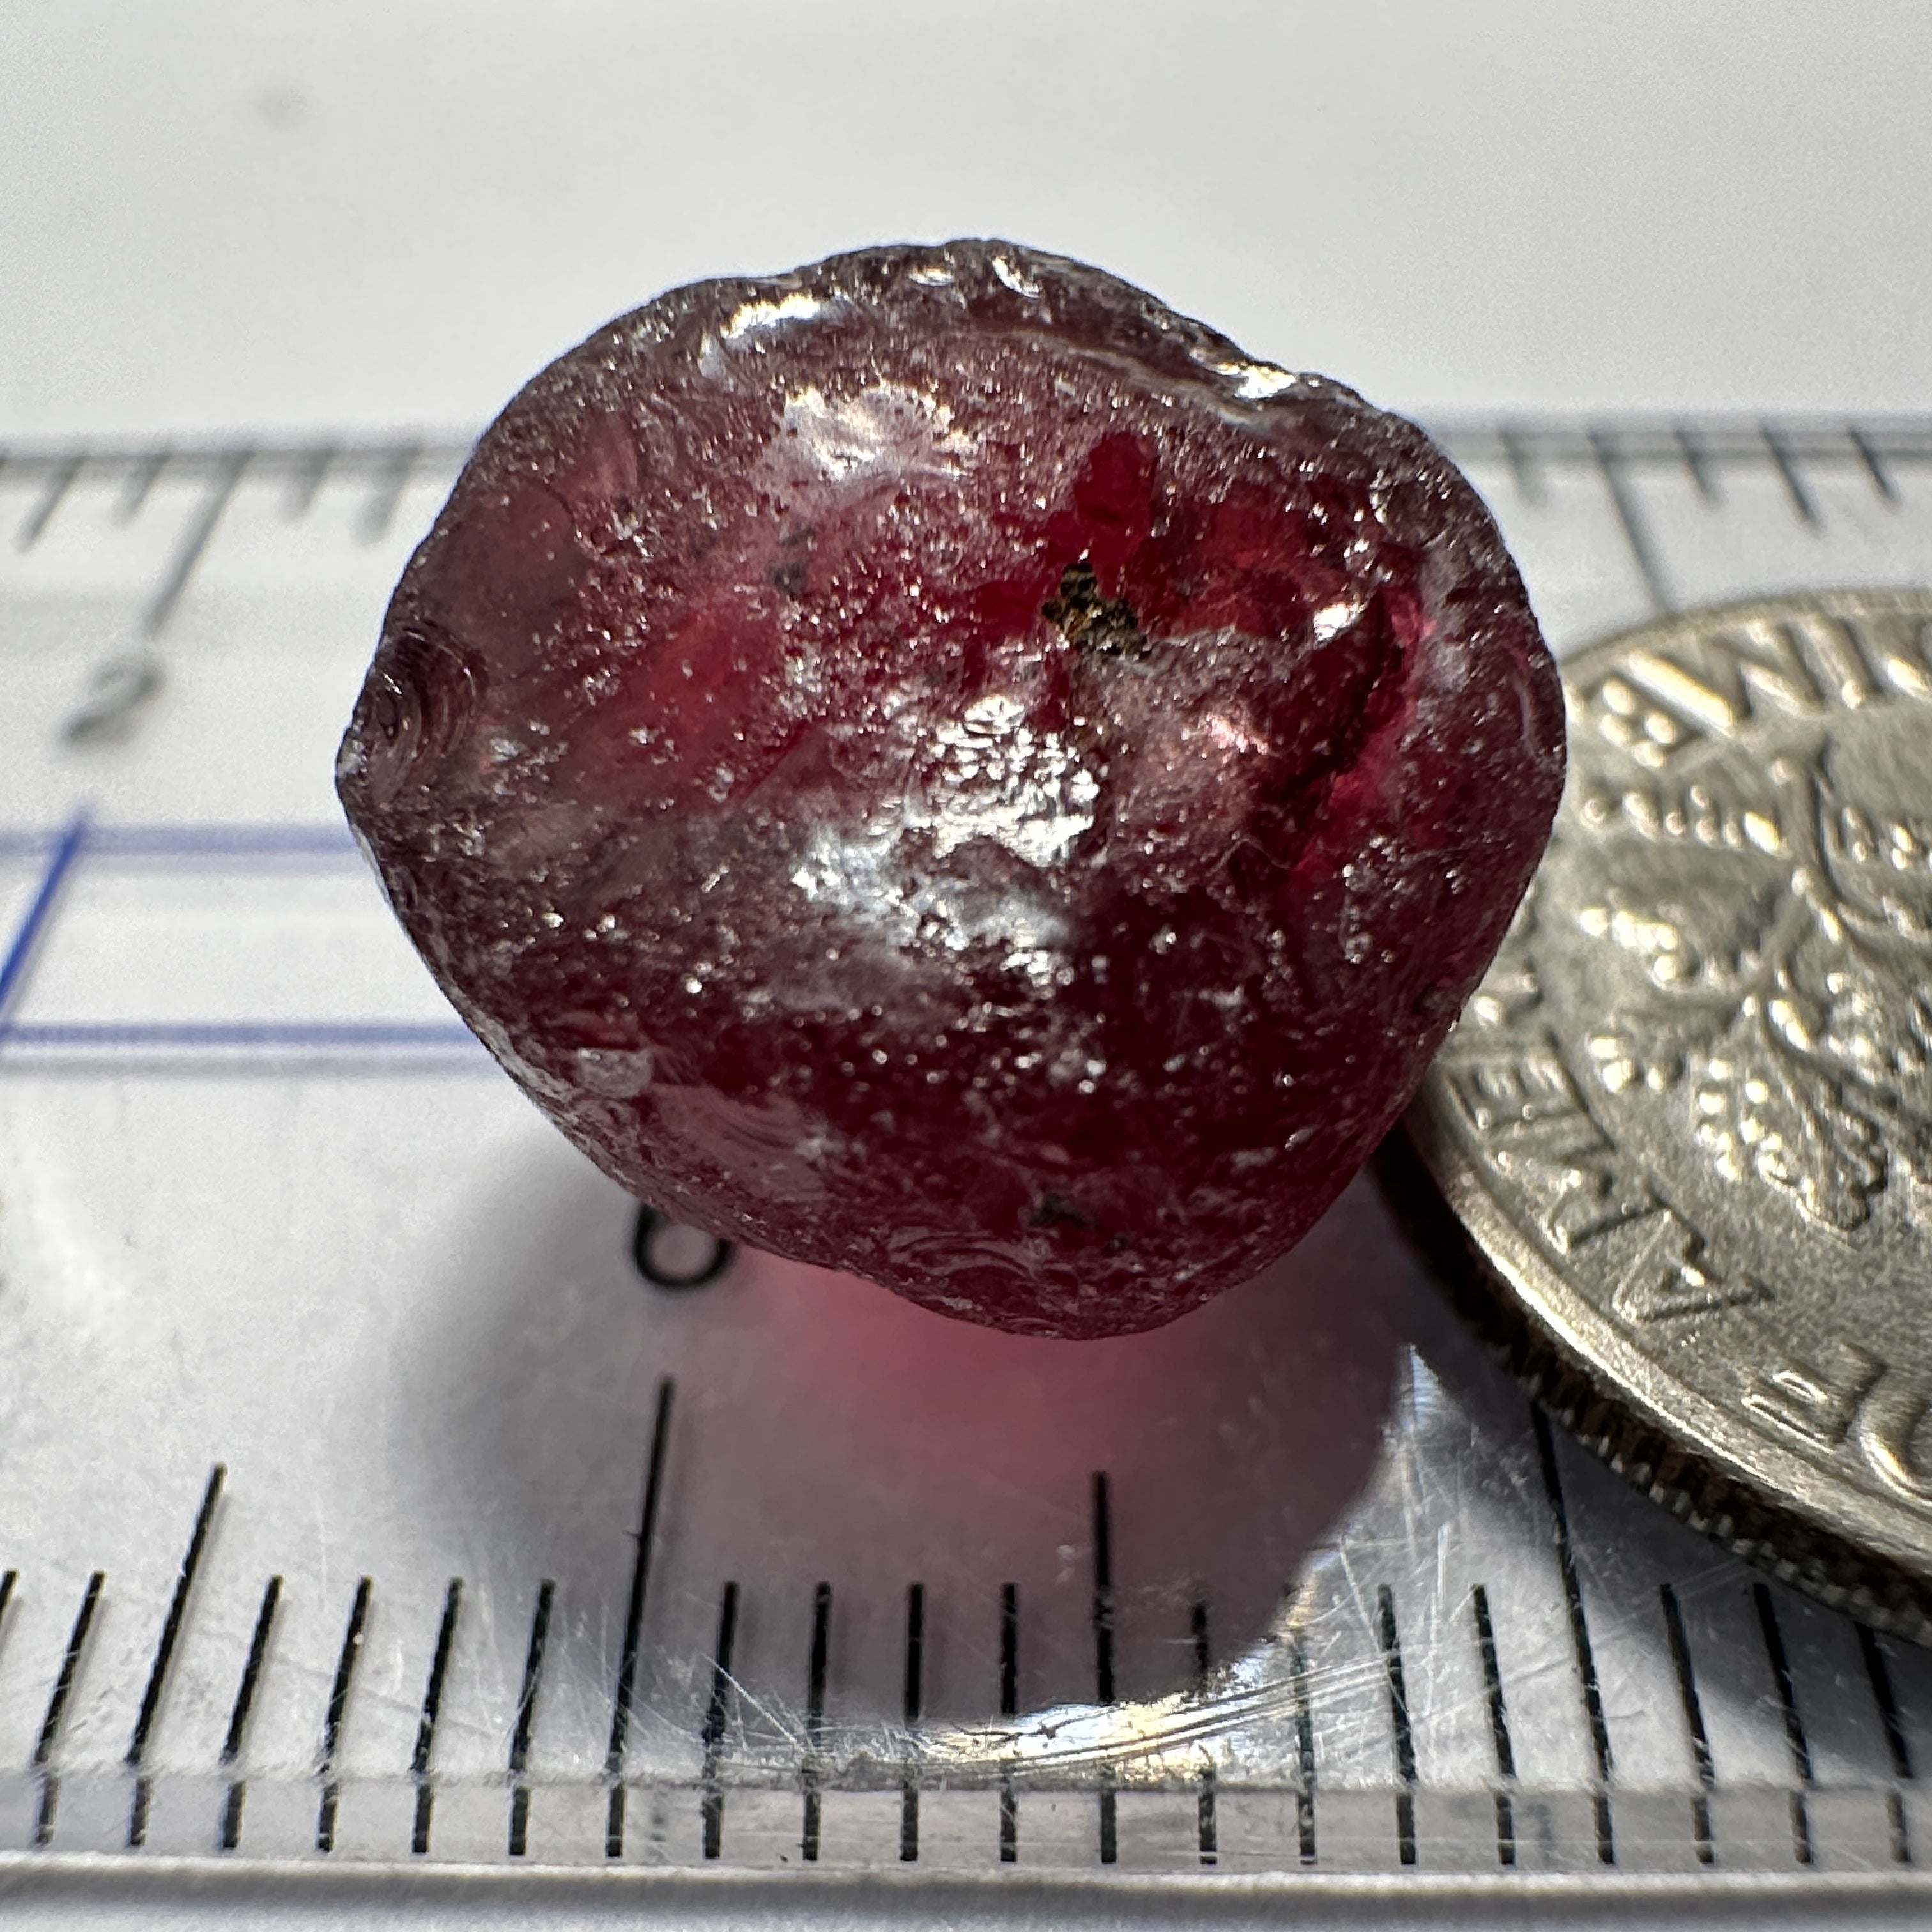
point(1686, 1122)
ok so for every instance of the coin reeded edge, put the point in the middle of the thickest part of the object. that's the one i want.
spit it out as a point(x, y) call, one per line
point(1465, 1242)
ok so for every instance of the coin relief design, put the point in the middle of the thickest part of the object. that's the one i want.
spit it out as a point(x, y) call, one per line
point(1688, 1117)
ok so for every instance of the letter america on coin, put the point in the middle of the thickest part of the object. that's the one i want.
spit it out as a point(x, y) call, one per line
point(1685, 1123)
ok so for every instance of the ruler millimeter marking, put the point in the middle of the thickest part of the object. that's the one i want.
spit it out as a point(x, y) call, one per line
point(164, 1652)
point(1693, 1723)
point(812, 1770)
point(634, 1618)
point(1499, 1730)
point(1580, 1629)
point(717, 1713)
point(64, 1683)
point(221, 493)
point(432, 1707)
point(913, 1707)
point(243, 1709)
point(526, 1718)
point(1794, 1722)
point(338, 1710)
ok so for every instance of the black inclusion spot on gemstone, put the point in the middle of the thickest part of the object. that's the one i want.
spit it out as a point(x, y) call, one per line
point(1105, 626)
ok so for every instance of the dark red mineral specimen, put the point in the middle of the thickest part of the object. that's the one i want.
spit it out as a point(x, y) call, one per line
point(937, 766)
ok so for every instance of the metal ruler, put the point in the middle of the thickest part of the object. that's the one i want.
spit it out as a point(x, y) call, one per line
point(395, 1524)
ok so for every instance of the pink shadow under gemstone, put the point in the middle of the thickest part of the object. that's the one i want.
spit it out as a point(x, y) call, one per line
point(936, 766)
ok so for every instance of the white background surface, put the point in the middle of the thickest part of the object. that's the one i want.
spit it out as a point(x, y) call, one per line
point(374, 214)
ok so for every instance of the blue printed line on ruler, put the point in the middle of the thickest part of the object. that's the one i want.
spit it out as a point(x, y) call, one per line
point(61, 862)
point(116, 1049)
point(346, 1034)
point(344, 1037)
point(197, 841)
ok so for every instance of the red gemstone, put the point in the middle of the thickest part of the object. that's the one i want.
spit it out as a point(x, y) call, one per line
point(937, 766)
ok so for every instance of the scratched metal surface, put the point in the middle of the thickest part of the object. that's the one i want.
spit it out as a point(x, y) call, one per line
point(362, 1503)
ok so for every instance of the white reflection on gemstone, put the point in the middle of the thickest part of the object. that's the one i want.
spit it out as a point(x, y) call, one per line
point(863, 874)
point(1332, 620)
point(1015, 278)
point(1001, 780)
point(1260, 380)
point(988, 775)
point(763, 314)
point(885, 425)
point(996, 778)
point(1254, 381)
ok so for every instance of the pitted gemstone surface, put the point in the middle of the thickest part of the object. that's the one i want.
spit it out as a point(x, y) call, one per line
point(936, 766)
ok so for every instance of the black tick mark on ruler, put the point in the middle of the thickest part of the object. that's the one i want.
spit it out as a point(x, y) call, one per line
point(1875, 471)
point(432, 1707)
point(1405, 1737)
point(1304, 1750)
point(915, 1705)
point(1523, 472)
point(1103, 1651)
point(164, 1651)
point(1794, 1724)
point(60, 480)
point(526, 1718)
point(717, 1711)
point(1206, 1821)
point(244, 1704)
point(1693, 1723)
point(195, 541)
point(1878, 1673)
point(1802, 506)
point(338, 1710)
point(1696, 461)
point(138, 485)
point(57, 1704)
point(1631, 519)
point(1009, 1707)
point(385, 493)
point(811, 1772)
point(311, 468)
point(1499, 1730)
point(626, 1692)
point(1580, 1632)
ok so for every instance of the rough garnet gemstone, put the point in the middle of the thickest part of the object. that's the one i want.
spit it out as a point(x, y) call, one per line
point(938, 766)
